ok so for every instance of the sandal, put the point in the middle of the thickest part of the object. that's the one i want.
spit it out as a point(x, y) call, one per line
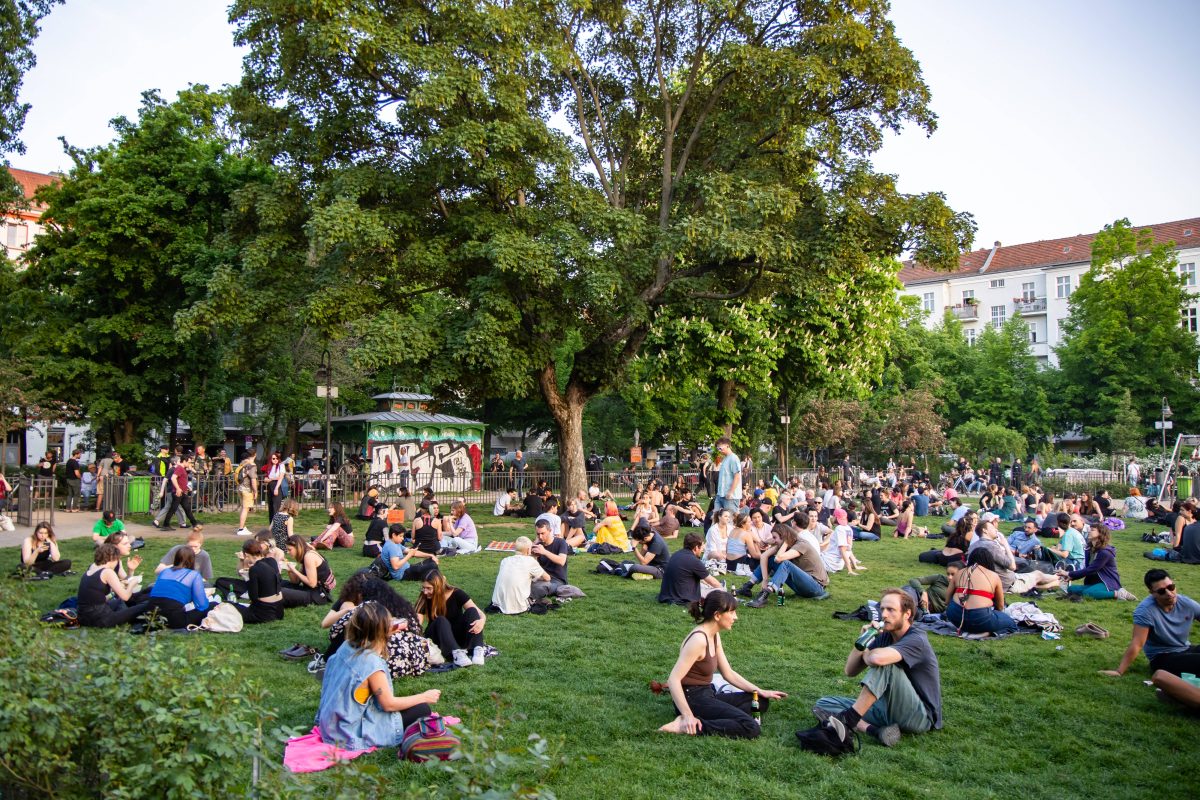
point(1093, 630)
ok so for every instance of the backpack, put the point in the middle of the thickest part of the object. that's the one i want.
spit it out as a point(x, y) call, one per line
point(427, 738)
point(824, 740)
point(222, 618)
point(65, 618)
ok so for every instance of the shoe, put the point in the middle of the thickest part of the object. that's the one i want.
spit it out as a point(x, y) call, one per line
point(641, 576)
point(317, 665)
point(461, 660)
point(298, 652)
point(759, 601)
point(1125, 594)
point(1093, 630)
point(477, 656)
point(154, 522)
point(137, 544)
point(746, 589)
point(889, 735)
point(244, 532)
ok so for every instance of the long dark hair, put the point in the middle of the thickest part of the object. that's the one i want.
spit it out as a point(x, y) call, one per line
point(717, 602)
point(396, 604)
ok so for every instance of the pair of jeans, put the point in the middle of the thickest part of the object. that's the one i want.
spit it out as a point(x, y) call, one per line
point(541, 589)
point(724, 714)
point(979, 620)
point(896, 703)
point(800, 582)
point(722, 503)
point(299, 595)
point(864, 536)
point(645, 569)
point(1096, 591)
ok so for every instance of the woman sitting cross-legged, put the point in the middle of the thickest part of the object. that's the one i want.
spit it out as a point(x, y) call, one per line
point(701, 709)
point(178, 592)
point(96, 610)
point(309, 579)
point(263, 586)
point(358, 708)
point(40, 551)
point(977, 597)
point(452, 621)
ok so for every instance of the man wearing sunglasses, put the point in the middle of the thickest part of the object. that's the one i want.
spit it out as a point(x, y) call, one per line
point(1161, 624)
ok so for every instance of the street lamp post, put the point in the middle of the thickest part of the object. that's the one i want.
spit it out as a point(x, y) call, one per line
point(783, 453)
point(328, 391)
point(1166, 412)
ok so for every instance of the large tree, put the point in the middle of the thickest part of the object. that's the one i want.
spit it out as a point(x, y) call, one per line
point(133, 233)
point(1124, 334)
point(19, 27)
point(567, 172)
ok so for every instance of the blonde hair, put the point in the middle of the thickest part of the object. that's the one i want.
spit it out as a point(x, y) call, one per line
point(522, 545)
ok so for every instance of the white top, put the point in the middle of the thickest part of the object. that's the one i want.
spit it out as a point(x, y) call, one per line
point(553, 520)
point(716, 541)
point(513, 583)
point(843, 536)
point(501, 505)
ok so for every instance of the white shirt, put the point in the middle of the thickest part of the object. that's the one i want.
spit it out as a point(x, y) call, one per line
point(514, 582)
point(715, 541)
point(501, 505)
point(553, 520)
point(843, 536)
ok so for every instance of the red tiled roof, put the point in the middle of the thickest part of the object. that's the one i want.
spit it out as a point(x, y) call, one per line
point(1051, 252)
point(30, 182)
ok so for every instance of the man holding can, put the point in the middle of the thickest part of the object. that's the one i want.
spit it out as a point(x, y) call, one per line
point(901, 690)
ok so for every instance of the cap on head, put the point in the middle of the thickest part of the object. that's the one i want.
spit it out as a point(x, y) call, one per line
point(840, 515)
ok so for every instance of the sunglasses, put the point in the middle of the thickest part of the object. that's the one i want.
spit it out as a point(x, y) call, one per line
point(1170, 587)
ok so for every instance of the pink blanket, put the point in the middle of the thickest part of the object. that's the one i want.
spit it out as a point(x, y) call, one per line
point(309, 754)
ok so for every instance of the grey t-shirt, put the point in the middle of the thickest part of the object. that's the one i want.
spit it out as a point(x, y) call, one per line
point(1168, 632)
point(203, 563)
point(920, 664)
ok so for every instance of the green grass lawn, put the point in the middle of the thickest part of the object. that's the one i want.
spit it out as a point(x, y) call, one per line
point(1023, 719)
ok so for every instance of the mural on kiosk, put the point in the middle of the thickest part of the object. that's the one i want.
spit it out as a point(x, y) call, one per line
point(450, 459)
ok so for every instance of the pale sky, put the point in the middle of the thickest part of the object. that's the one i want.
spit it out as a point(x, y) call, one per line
point(1055, 116)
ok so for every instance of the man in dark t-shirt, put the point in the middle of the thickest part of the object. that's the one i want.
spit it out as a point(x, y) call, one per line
point(534, 507)
point(684, 574)
point(901, 671)
point(74, 480)
point(551, 553)
point(651, 552)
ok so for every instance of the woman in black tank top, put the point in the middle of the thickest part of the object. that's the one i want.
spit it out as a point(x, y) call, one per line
point(309, 579)
point(700, 708)
point(96, 610)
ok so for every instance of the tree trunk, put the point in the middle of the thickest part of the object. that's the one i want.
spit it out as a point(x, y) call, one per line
point(567, 409)
point(727, 404)
point(123, 432)
point(292, 434)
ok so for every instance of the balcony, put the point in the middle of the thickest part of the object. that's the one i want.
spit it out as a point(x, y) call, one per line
point(1026, 306)
point(967, 312)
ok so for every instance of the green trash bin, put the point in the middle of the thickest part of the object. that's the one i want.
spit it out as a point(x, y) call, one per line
point(1185, 485)
point(137, 501)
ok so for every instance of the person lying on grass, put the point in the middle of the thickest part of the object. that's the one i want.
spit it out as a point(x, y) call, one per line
point(358, 708)
point(700, 709)
point(901, 690)
point(1162, 624)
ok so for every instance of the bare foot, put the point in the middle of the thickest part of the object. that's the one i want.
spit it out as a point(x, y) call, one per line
point(674, 726)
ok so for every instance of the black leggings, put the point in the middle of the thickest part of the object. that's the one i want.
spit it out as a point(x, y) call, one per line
point(451, 636)
point(300, 595)
point(938, 557)
point(53, 567)
point(109, 615)
point(174, 613)
point(724, 714)
point(227, 585)
point(417, 571)
point(414, 713)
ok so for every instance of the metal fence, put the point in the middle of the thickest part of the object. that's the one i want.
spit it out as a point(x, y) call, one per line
point(140, 493)
point(35, 500)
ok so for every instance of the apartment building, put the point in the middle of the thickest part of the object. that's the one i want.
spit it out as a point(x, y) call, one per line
point(19, 227)
point(1035, 280)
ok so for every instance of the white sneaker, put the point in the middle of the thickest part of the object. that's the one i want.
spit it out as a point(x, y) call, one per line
point(244, 532)
point(461, 660)
point(478, 657)
point(1125, 594)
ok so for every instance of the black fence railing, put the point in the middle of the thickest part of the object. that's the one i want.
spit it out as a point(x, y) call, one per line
point(35, 500)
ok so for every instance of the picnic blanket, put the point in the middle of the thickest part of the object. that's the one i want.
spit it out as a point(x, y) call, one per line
point(497, 546)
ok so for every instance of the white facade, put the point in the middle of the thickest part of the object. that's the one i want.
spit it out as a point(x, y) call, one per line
point(1038, 292)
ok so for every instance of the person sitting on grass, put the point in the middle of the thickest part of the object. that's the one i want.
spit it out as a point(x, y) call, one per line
point(462, 535)
point(684, 573)
point(901, 690)
point(283, 523)
point(716, 541)
point(366, 508)
point(515, 579)
point(202, 561)
point(931, 591)
point(96, 609)
point(178, 592)
point(793, 562)
point(39, 552)
point(1162, 624)
point(106, 525)
point(1024, 542)
point(263, 585)
point(700, 709)
point(358, 709)
point(838, 553)
point(407, 655)
point(1101, 581)
point(651, 552)
point(377, 532)
point(611, 529)
point(1070, 549)
point(1008, 509)
point(976, 603)
point(452, 621)
point(741, 547)
point(506, 504)
point(309, 578)
point(551, 553)
point(574, 520)
point(350, 597)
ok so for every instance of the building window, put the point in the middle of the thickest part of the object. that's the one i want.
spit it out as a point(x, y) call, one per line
point(1189, 320)
point(1028, 293)
point(1188, 273)
point(968, 294)
point(927, 301)
point(11, 235)
point(1063, 285)
point(970, 332)
point(998, 283)
point(997, 316)
point(1033, 335)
